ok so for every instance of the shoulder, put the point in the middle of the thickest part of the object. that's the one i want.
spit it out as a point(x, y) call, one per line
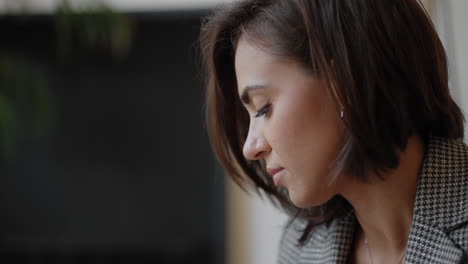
point(289, 249)
point(290, 252)
point(442, 197)
point(328, 242)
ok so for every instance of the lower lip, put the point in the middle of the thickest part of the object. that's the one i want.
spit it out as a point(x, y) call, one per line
point(277, 177)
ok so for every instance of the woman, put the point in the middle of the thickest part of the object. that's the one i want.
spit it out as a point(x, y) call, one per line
point(340, 112)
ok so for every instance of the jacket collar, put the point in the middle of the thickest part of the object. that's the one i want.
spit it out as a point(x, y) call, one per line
point(441, 204)
point(442, 196)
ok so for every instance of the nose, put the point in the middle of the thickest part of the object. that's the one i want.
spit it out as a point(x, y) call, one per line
point(256, 146)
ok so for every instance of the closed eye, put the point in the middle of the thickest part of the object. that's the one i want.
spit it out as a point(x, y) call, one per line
point(263, 111)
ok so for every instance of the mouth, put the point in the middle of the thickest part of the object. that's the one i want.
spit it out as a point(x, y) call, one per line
point(272, 172)
point(276, 173)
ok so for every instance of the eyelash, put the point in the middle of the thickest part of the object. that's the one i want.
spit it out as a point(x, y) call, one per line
point(263, 111)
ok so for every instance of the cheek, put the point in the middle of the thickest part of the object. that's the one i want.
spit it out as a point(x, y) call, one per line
point(284, 133)
point(306, 135)
point(298, 123)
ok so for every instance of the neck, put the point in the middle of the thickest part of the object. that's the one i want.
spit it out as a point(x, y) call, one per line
point(384, 208)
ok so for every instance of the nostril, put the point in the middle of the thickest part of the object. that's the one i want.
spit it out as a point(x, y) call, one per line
point(260, 154)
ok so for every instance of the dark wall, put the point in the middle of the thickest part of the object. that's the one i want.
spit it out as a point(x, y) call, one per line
point(124, 172)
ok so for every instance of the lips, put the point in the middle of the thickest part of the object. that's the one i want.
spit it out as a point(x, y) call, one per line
point(276, 173)
point(272, 172)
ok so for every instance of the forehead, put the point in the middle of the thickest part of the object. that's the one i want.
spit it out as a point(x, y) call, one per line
point(248, 54)
point(254, 66)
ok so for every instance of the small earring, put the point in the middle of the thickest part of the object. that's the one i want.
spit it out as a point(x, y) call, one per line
point(341, 114)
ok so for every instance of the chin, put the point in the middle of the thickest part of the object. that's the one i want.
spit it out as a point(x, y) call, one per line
point(307, 201)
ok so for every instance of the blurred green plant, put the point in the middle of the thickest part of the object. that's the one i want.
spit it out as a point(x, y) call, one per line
point(23, 95)
point(24, 89)
point(94, 28)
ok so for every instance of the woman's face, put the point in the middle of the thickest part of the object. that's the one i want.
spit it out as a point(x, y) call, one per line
point(294, 125)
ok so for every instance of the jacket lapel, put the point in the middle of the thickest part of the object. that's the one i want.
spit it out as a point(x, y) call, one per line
point(430, 244)
point(441, 204)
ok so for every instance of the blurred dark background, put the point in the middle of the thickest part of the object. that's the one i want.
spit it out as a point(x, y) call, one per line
point(118, 169)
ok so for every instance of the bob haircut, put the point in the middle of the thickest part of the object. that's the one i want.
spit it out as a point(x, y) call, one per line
point(383, 63)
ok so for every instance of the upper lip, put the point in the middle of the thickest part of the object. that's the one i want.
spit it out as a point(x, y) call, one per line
point(273, 171)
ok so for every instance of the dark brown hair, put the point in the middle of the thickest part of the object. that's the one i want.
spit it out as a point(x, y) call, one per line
point(384, 65)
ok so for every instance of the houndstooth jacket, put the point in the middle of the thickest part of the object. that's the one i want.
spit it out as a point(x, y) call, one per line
point(439, 232)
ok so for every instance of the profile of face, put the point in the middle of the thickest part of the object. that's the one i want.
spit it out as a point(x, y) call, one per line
point(294, 124)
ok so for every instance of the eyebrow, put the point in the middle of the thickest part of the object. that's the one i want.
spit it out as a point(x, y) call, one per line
point(245, 94)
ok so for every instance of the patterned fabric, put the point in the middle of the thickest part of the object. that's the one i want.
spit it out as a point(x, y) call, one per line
point(439, 232)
